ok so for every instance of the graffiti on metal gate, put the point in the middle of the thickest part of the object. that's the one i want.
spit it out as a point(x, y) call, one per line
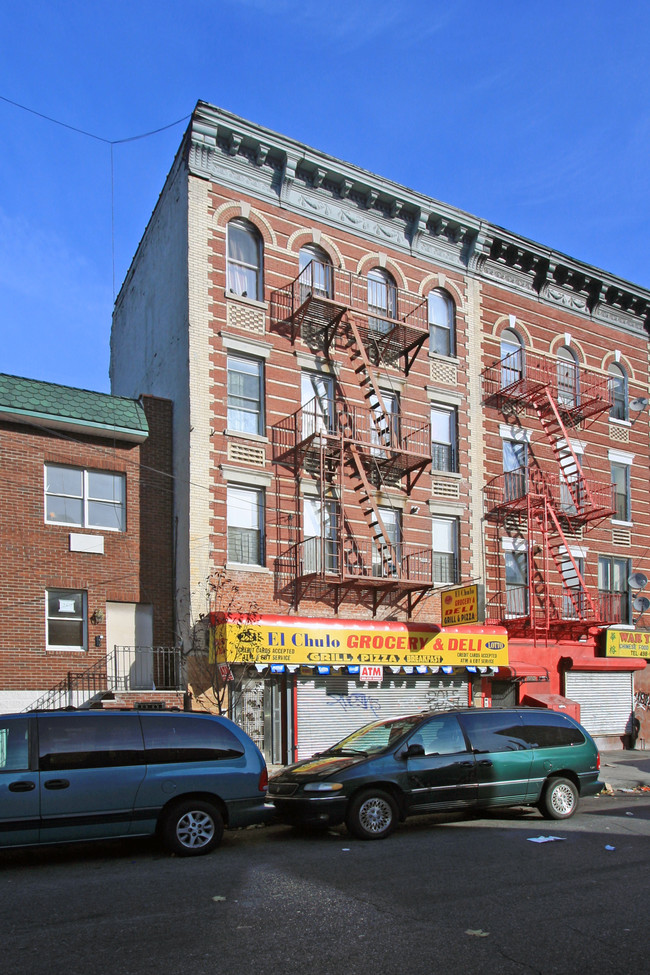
point(348, 702)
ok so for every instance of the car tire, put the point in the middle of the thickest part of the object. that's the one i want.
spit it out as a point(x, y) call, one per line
point(372, 815)
point(192, 828)
point(559, 799)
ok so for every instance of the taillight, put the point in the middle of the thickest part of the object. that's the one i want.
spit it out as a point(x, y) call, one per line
point(263, 783)
point(598, 761)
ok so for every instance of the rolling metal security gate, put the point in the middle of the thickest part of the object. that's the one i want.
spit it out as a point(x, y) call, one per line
point(605, 699)
point(329, 708)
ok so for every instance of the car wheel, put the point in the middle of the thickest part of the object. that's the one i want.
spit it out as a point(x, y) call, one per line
point(560, 799)
point(372, 815)
point(192, 827)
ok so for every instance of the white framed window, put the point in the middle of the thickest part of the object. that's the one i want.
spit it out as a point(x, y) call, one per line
point(315, 272)
point(382, 299)
point(382, 560)
point(245, 517)
point(568, 378)
point(515, 468)
point(245, 395)
point(85, 499)
point(442, 323)
point(444, 427)
point(621, 483)
point(320, 534)
point(66, 619)
point(516, 566)
point(446, 569)
point(614, 587)
point(618, 389)
point(385, 426)
point(317, 402)
point(512, 358)
point(244, 260)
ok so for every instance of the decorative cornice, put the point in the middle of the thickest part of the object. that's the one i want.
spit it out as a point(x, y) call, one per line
point(273, 167)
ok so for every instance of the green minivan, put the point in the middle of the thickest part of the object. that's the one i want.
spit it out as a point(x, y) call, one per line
point(461, 759)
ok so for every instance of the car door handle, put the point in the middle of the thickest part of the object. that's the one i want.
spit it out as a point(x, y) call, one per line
point(21, 786)
point(57, 784)
point(486, 763)
point(466, 764)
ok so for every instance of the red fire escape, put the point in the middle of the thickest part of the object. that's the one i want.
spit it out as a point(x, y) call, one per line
point(351, 443)
point(548, 510)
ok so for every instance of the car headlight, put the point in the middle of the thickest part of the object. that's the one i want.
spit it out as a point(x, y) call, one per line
point(323, 787)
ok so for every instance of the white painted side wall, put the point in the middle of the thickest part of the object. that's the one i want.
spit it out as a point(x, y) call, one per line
point(150, 346)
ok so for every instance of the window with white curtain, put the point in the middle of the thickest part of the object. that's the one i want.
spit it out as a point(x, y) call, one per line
point(244, 263)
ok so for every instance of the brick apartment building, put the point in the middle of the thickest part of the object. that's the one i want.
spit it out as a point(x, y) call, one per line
point(379, 399)
point(86, 559)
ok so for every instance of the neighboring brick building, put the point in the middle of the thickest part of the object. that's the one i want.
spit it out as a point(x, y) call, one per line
point(86, 557)
point(378, 398)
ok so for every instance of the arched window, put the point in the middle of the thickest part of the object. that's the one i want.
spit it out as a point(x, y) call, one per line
point(568, 390)
point(315, 272)
point(382, 299)
point(512, 358)
point(618, 390)
point(442, 323)
point(244, 264)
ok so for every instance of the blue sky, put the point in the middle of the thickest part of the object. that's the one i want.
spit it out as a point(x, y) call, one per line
point(533, 115)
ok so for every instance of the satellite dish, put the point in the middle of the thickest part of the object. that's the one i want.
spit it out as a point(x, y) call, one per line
point(641, 604)
point(639, 404)
point(637, 580)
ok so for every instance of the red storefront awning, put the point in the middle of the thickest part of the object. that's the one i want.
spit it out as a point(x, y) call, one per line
point(518, 670)
point(602, 663)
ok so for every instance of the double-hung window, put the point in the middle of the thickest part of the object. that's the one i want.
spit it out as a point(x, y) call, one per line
point(386, 553)
point(320, 532)
point(66, 619)
point(618, 392)
point(613, 576)
point(516, 565)
point(245, 513)
point(244, 261)
point(446, 570)
point(515, 468)
point(621, 482)
point(444, 438)
point(84, 499)
point(245, 395)
point(442, 326)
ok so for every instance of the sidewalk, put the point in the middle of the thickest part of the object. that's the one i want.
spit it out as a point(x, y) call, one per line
point(625, 770)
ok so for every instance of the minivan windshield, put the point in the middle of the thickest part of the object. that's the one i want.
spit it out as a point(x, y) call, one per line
point(373, 738)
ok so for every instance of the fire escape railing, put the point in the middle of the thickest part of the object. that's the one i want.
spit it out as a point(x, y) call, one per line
point(321, 295)
point(353, 560)
point(563, 398)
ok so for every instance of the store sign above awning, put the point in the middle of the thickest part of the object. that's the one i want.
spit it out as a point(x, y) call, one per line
point(627, 643)
point(303, 641)
point(466, 604)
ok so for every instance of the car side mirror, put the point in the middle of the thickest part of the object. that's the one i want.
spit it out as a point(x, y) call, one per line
point(414, 751)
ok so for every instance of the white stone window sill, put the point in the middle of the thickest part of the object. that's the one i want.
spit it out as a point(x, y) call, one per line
point(246, 567)
point(251, 302)
point(254, 437)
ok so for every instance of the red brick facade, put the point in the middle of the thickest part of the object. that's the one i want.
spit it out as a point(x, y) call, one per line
point(136, 565)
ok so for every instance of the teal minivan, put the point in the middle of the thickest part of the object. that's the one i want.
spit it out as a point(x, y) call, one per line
point(83, 775)
point(461, 759)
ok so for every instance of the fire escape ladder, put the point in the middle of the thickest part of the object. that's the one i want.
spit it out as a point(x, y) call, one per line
point(538, 587)
point(570, 469)
point(380, 416)
point(577, 594)
point(371, 514)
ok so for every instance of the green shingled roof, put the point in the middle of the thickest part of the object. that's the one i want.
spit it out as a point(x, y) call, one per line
point(35, 399)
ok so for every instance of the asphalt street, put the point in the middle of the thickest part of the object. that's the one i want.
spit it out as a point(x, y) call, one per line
point(443, 894)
